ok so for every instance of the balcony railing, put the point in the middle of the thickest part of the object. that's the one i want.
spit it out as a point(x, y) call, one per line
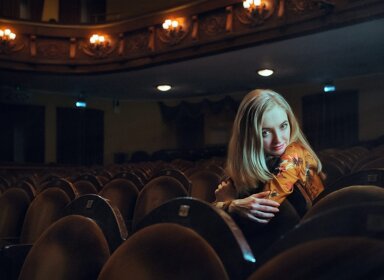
point(208, 27)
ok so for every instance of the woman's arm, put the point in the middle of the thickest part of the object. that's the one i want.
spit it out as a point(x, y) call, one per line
point(255, 207)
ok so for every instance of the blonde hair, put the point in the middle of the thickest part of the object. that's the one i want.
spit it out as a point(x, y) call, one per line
point(246, 161)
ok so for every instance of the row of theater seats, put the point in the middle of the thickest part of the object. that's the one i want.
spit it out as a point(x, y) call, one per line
point(342, 162)
point(27, 209)
point(126, 191)
point(341, 237)
point(165, 194)
point(336, 163)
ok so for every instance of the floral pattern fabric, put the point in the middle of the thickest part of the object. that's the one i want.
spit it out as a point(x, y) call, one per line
point(296, 167)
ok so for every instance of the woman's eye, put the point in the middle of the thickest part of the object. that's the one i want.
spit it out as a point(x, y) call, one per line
point(265, 133)
point(284, 125)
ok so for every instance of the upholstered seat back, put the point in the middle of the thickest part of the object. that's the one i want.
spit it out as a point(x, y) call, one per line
point(164, 252)
point(73, 248)
point(45, 209)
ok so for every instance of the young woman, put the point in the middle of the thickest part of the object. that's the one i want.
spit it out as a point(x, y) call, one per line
point(268, 158)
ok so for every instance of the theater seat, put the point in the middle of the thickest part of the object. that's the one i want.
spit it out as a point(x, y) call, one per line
point(327, 259)
point(204, 184)
point(28, 188)
point(14, 203)
point(131, 177)
point(106, 215)
point(123, 194)
point(346, 197)
point(214, 225)
point(73, 248)
point(357, 220)
point(45, 209)
point(156, 192)
point(364, 177)
point(87, 184)
point(85, 187)
point(176, 174)
point(62, 184)
point(164, 252)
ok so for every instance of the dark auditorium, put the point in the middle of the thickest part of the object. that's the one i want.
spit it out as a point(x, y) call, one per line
point(191, 140)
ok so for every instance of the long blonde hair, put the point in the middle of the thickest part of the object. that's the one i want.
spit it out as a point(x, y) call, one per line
point(246, 161)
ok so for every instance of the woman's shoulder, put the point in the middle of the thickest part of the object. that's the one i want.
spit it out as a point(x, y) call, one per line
point(296, 151)
point(294, 148)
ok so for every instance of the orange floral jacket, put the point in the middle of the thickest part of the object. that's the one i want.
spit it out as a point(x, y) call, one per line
point(295, 168)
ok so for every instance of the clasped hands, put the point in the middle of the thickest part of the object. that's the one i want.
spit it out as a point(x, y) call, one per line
point(256, 207)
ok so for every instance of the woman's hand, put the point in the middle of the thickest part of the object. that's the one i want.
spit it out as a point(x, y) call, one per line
point(225, 191)
point(255, 207)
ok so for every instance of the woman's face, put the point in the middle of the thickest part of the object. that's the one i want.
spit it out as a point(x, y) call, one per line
point(276, 131)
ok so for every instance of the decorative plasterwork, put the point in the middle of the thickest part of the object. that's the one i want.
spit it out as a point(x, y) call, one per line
point(209, 27)
point(213, 24)
point(137, 42)
point(52, 50)
point(9, 47)
point(303, 6)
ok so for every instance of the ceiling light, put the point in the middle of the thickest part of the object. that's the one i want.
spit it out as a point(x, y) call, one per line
point(265, 72)
point(164, 87)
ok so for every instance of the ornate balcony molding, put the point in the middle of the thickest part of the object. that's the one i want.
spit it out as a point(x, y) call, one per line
point(212, 27)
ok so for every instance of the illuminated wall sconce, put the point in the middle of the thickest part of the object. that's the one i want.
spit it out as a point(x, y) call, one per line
point(254, 5)
point(173, 31)
point(172, 25)
point(97, 40)
point(99, 46)
point(7, 38)
point(7, 35)
point(257, 11)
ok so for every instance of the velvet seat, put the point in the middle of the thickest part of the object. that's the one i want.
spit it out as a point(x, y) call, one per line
point(327, 259)
point(104, 213)
point(28, 188)
point(131, 177)
point(123, 193)
point(346, 197)
point(45, 209)
point(87, 184)
point(14, 203)
point(156, 192)
point(357, 220)
point(212, 224)
point(164, 252)
point(176, 174)
point(74, 247)
point(363, 177)
point(61, 183)
point(203, 185)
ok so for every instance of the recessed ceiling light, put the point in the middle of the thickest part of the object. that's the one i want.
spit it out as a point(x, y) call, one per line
point(164, 87)
point(265, 72)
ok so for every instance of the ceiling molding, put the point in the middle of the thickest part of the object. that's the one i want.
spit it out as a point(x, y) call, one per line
point(210, 28)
